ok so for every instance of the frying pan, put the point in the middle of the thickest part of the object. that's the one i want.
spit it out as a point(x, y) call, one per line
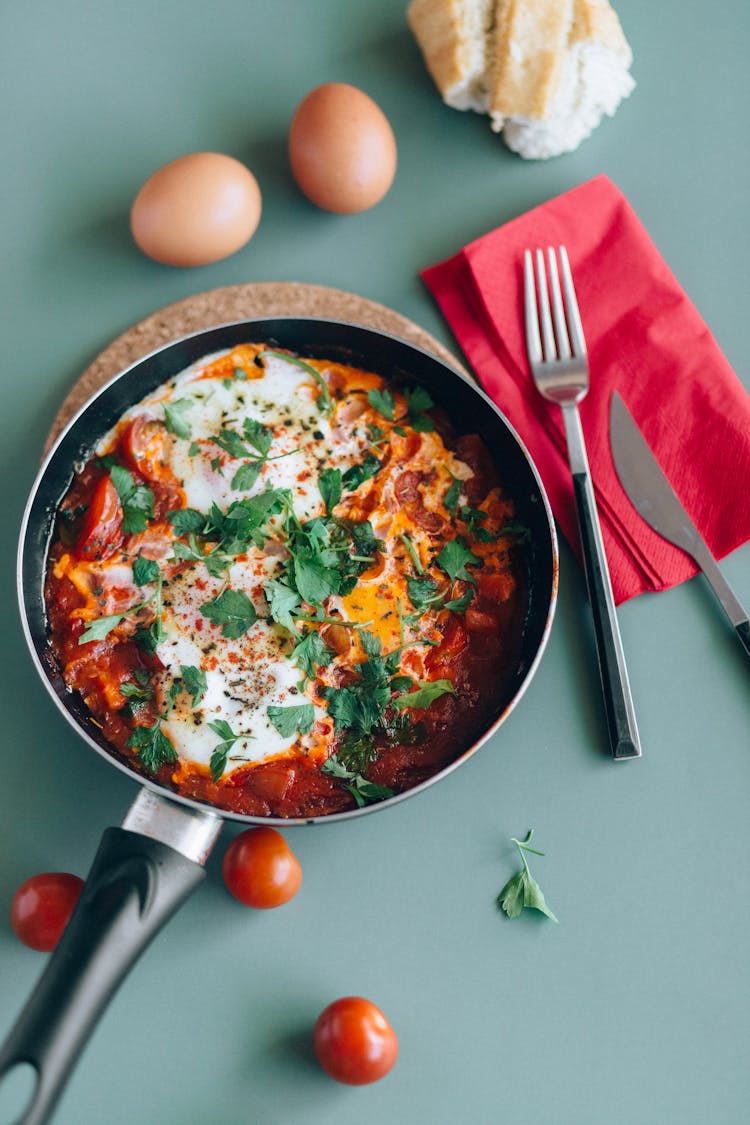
point(148, 866)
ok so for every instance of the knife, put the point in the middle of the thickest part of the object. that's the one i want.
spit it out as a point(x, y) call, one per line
point(658, 504)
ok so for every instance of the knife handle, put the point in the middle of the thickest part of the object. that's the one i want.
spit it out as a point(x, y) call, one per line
point(743, 632)
point(618, 701)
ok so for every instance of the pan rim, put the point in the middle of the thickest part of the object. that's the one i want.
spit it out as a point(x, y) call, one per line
point(280, 822)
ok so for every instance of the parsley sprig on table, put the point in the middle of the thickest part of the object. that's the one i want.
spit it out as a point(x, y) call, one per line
point(523, 890)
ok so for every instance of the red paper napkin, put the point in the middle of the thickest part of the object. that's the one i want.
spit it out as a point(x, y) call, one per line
point(646, 340)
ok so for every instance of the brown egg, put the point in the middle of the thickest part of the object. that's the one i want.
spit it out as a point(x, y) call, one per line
point(342, 149)
point(195, 210)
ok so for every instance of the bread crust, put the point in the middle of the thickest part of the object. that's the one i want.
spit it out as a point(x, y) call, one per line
point(530, 42)
point(452, 35)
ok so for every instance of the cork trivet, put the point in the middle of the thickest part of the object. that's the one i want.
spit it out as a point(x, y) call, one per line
point(236, 302)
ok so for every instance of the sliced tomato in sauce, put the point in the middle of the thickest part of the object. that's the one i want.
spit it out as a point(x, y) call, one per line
point(101, 526)
point(144, 448)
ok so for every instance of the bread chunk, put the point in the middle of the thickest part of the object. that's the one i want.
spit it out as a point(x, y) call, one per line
point(454, 37)
point(546, 71)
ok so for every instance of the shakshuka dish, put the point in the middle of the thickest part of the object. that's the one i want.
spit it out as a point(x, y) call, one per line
point(286, 587)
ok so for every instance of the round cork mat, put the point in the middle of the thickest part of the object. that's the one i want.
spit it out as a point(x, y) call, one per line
point(236, 302)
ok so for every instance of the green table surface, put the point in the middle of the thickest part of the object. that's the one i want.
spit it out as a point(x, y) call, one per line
point(634, 1009)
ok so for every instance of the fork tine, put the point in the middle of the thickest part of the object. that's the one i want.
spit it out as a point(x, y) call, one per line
point(561, 331)
point(571, 304)
point(533, 339)
point(548, 336)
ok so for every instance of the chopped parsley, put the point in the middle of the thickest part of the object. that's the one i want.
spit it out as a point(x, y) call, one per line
point(363, 791)
point(426, 693)
point(455, 556)
point(152, 745)
point(383, 402)
point(145, 571)
point(362, 471)
point(290, 720)
point(220, 754)
point(233, 610)
point(194, 681)
point(450, 500)
point(330, 485)
point(174, 420)
point(310, 653)
point(137, 500)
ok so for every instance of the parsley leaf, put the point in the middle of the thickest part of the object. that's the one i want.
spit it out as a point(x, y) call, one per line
point(233, 610)
point(329, 483)
point(520, 530)
point(423, 592)
point(289, 720)
point(417, 401)
point(459, 605)
point(187, 521)
point(138, 692)
point(358, 474)
point(136, 499)
point(100, 627)
point(383, 402)
point(455, 557)
point(220, 753)
point(523, 890)
point(152, 745)
point(283, 602)
point(450, 500)
point(364, 792)
point(145, 571)
point(194, 680)
point(427, 692)
point(315, 581)
point(311, 652)
point(173, 418)
point(257, 435)
point(246, 476)
point(231, 442)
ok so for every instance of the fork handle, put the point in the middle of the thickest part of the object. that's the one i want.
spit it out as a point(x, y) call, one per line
point(618, 701)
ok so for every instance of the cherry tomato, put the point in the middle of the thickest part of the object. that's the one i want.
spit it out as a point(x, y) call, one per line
point(101, 526)
point(260, 869)
point(41, 908)
point(354, 1042)
point(144, 447)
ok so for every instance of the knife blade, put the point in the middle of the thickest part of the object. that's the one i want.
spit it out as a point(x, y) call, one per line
point(653, 497)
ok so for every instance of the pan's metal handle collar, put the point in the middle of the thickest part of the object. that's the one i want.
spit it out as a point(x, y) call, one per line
point(191, 832)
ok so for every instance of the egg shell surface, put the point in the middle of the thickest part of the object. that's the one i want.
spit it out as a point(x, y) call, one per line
point(342, 149)
point(197, 209)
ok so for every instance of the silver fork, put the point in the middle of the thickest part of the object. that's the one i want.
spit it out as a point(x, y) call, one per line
point(559, 366)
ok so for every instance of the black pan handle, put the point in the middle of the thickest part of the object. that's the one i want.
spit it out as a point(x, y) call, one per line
point(135, 885)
